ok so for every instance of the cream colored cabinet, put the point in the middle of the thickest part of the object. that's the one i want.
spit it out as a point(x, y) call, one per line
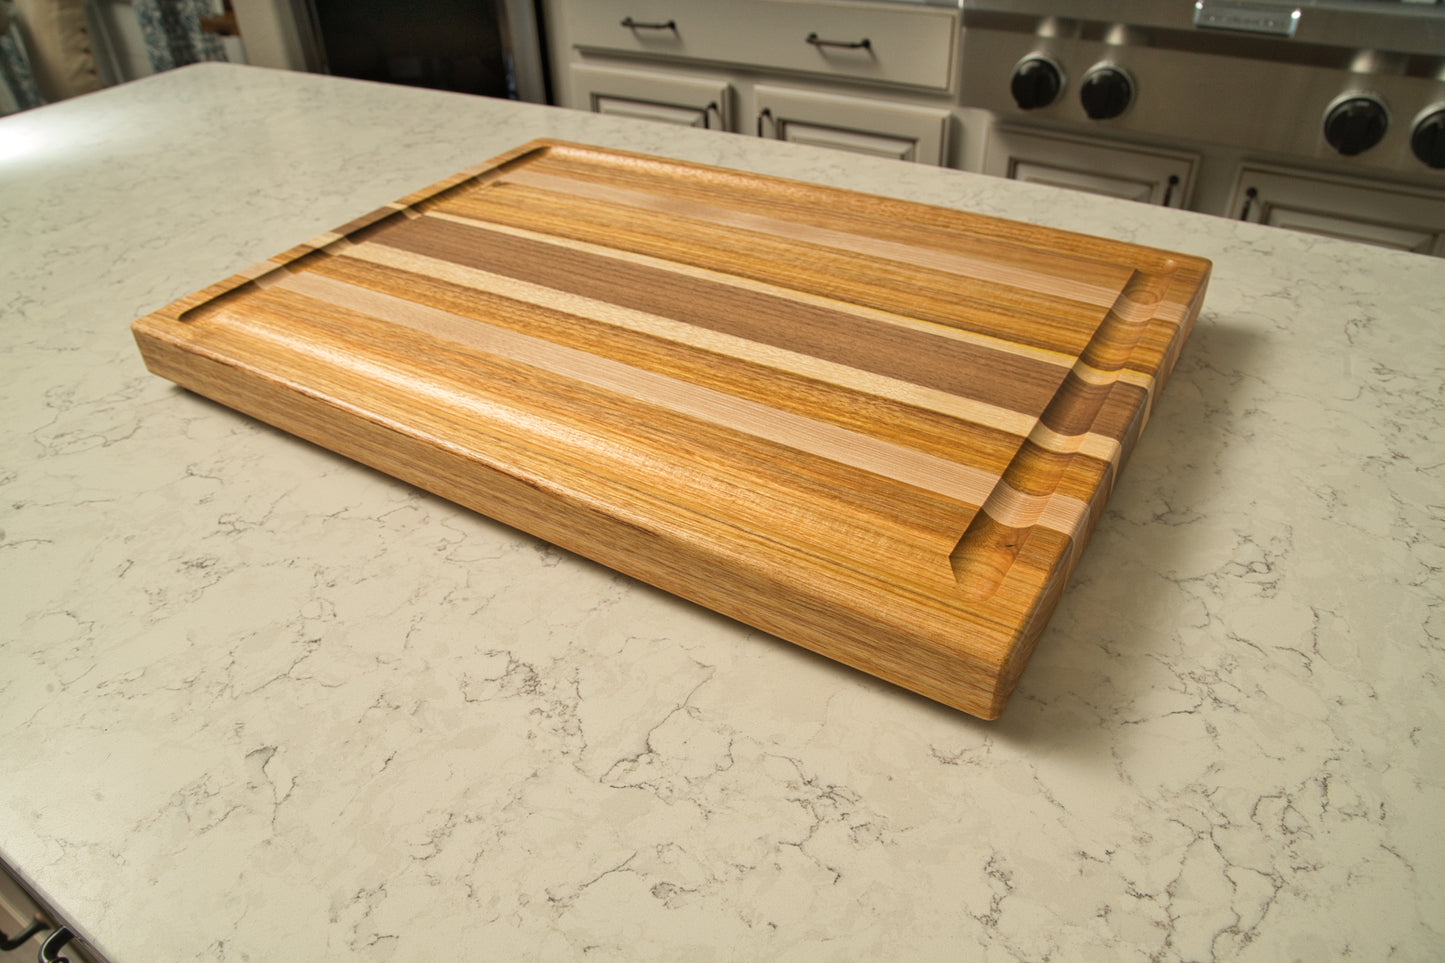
point(1400, 218)
point(862, 126)
point(1116, 170)
point(878, 43)
point(872, 78)
point(19, 909)
point(690, 100)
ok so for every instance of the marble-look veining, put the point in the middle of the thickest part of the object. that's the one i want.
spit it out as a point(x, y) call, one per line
point(259, 703)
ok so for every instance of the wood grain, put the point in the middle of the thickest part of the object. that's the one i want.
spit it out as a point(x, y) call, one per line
point(880, 430)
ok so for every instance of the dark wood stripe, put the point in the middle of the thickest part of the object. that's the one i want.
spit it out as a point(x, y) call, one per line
point(747, 478)
point(863, 214)
point(969, 304)
point(943, 364)
point(924, 430)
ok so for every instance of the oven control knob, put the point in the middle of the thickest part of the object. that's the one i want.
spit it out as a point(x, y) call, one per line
point(1106, 92)
point(1428, 140)
point(1355, 124)
point(1036, 82)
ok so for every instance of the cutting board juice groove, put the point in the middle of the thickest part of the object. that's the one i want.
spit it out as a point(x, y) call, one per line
point(878, 429)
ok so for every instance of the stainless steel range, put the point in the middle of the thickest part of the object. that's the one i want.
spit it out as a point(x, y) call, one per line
point(1323, 115)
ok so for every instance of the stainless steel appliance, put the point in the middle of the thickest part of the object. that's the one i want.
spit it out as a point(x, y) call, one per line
point(1263, 95)
point(471, 46)
point(490, 47)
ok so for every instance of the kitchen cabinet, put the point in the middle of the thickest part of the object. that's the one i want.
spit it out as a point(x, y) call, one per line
point(692, 101)
point(1386, 216)
point(1115, 170)
point(866, 78)
point(875, 43)
point(899, 131)
point(18, 910)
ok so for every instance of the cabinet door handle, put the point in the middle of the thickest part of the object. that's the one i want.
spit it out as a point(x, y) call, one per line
point(1249, 198)
point(707, 113)
point(8, 943)
point(765, 112)
point(54, 943)
point(631, 24)
point(864, 44)
point(1169, 189)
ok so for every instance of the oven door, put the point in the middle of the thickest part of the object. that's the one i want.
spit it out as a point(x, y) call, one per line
point(488, 47)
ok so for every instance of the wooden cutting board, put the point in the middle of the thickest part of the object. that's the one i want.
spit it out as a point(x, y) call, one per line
point(878, 429)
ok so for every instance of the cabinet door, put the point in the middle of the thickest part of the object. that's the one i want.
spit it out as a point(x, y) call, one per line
point(18, 910)
point(881, 128)
point(1338, 207)
point(688, 100)
point(1115, 170)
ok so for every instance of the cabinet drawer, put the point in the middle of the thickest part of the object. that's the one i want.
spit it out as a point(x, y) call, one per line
point(1114, 170)
point(911, 47)
point(693, 101)
point(1393, 217)
point(879, 128)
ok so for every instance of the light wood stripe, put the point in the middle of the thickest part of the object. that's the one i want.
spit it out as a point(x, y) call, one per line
point(941, 476)
point(1092, 445)
point(954, 367)
point(920, 396)
point(861, 311)
point(1004, 419)
point(953, 262)
point(989, 448)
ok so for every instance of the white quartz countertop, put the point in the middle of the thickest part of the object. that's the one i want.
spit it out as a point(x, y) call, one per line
point(260, 703)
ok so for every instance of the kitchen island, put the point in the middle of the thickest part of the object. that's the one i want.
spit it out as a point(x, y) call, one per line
point(259, 702)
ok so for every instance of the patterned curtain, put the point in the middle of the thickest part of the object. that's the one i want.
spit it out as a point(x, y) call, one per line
point(172, 31)
point(17, 84)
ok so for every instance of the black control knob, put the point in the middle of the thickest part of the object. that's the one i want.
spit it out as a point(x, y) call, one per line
point(1355, 124)
point(1106, 92)
point(1428, 140)
point(1036, 83)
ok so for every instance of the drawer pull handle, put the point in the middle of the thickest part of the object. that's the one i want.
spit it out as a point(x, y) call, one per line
point(8, 943)
point(864, 44)
point(631, 24)
point(54, 943)
point(1249, 197)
